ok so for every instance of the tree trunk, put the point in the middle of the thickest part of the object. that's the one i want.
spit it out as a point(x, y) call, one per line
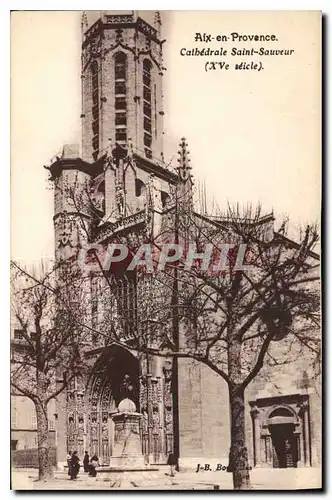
point(45, 467)
point(238, 455)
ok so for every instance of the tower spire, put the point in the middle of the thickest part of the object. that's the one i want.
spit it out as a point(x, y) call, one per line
point(184, 160)
point(157, 22)
point(185, 181)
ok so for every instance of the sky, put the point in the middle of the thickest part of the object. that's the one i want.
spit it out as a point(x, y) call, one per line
point(253, 136)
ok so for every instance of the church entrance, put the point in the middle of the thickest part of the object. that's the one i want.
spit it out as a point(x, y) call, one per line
point(118, 374)
point(115, 368)
point(281, 431)
point(284, 446)
point(90, 402)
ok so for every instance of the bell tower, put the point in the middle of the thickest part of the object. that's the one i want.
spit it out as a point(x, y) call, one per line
point(122, 69)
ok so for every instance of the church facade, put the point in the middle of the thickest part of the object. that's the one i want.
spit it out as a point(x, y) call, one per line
point(122, 191)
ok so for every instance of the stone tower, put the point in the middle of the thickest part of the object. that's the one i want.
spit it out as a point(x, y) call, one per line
point(118, 188)
point(122, 71)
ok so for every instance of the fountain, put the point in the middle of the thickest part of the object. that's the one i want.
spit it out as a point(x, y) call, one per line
point(127, 443)
point(127, 468)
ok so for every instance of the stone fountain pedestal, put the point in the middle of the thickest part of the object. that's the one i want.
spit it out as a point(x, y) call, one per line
point(127, 450)
point(127, 468)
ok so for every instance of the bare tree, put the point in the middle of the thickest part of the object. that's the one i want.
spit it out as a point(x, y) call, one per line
point(232, 320)
point(48, 354)
point(228, 317)
point(236, 318)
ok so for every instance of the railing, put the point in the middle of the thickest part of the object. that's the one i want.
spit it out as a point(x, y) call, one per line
point(124, 223)
point(119, 18)
point(29, 457)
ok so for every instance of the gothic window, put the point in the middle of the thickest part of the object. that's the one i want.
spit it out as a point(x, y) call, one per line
point(120, 88)
point(120, 91)
point(95, 109)
point(120, 119)
point(147, 140)
point(147, 124)
point(127, 304)
point(164, 198)
point(95, 128)
point(95, 144)
point(147, 78)
point(139, 186)
point(147, 112)
point(147, 94)
point(147, 109)
point(94, 307)
point(121, 134)
point(120, 66)
point(120, 104)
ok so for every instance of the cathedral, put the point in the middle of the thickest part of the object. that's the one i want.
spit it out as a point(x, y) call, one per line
point(124, 190)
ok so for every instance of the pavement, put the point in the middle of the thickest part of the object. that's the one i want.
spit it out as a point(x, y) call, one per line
point(261, 479)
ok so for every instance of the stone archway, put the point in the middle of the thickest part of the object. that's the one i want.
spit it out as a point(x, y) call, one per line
point(103, 397)
point(281, 431)
point(284, 440)
point(92, 397)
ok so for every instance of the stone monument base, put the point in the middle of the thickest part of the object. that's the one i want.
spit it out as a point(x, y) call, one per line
point(127, 452)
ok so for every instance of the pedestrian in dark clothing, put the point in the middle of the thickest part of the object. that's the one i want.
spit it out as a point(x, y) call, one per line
point(75, 465)
point(86, 461)
point(69, 463)
point(94, 463)
point(172, 462)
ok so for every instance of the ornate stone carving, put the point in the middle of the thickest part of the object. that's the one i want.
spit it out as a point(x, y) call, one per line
point(168, 407)
point(254, 412)
point(125, 223)
point(122, 19)
point(302, 407)
point(65, 228)
point(146, 28)
point(119, 196)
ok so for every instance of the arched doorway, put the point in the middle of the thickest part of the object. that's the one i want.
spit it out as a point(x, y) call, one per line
point(104, 395)
point(284, 441)
point(281, 431)
point(92, 397)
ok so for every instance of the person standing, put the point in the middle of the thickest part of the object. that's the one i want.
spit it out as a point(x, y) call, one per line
point(86, 461)
point(93, 466)
point(69, 462)
point(172, 462)
point(75, 465)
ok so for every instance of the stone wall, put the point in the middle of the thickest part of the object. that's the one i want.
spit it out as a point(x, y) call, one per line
point(204, 415)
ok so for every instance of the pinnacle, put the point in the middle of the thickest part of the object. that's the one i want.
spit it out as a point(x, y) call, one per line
point(184, 159)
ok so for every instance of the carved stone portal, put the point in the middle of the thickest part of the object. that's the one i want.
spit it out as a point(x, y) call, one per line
point(92, 403)
point(281, 431)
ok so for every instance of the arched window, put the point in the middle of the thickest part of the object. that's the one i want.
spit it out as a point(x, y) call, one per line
point(120, 91)
point(95, 109)
point(139, 187)
point(164, 198)
point(126, 295)
point(147, 113)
